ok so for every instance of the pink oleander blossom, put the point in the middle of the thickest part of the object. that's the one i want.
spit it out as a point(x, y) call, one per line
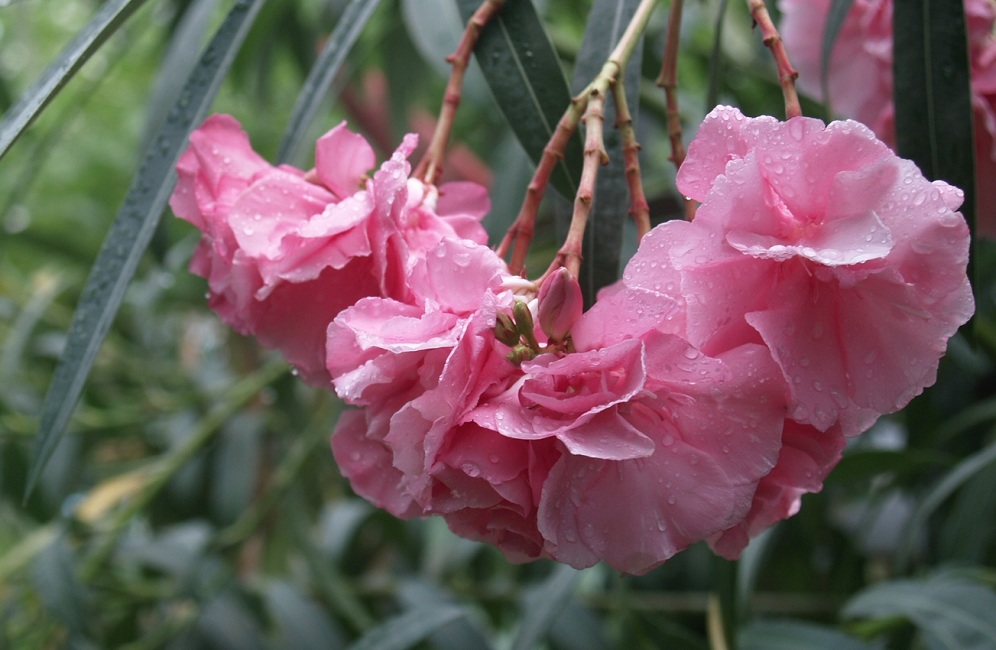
point(860, 75)
point(823, 244)
point(284, 251)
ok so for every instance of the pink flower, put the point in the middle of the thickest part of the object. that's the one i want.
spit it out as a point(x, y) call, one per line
point(804, 461)
point(284, 252)
point(713, 441)
point(860, 75)
point(820, 242)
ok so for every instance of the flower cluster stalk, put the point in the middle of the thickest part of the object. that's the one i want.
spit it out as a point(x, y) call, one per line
point(786, 73)
point(638, 206)
point(520, 234)
point(430, 168)
point(668, 80)
point(589, 103)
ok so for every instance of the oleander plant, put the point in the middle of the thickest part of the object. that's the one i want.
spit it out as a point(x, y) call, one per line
point(499, 324)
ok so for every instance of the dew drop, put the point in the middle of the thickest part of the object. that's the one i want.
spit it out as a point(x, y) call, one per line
point(471, 470)
point(671, 499)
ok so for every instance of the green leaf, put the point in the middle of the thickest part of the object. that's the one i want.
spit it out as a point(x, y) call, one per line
point(863, 464)
point(835, 20)
point(932, 93)
point(951, 611)
point(961, 473)
point(314, 92)
point(131, 232)
point(54, 576)
point(716, 58)
point(177, 64)
point(70, 60)
point(793, 635)
point(603, 238)
point(528, 83)
point(407, 629)
point(544, 605)
point(303, 624)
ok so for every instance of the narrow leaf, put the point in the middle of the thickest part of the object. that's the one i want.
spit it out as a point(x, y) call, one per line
point(323, 72)
point(404, 631)
point(528, 83)
point(177, 63)
point(130, 234)
point(961, 473)
point(932, 93)
point(110, 16)
point(603, 238)
point(716, 60)
point(792, 635)
point(542, 609)
point(951, 611)
point(835, 20)
point(302, 623)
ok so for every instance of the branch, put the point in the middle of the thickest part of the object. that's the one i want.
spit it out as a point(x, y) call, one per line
point(638, 206)
point(668, 80)
point(431, 166)
point(786, 73)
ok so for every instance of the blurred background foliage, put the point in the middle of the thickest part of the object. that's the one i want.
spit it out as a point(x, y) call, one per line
point(194, 502)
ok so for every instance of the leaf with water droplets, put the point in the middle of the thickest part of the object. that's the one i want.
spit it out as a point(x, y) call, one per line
point(528, 83)
point(131, 232)
point(90, 38)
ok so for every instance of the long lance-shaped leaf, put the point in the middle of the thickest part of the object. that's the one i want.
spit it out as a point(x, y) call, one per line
point(88, 41)
point(130, 234)
point(545, 605)
point(716, 58)
point(406, 630)
point(603, 238)
point(528, 83)
point(951, 610)
point(323, 72)
point(932, 91)
point(831, 30)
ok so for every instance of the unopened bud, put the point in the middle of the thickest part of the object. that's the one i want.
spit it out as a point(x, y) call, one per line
point(524, 323)
point(560, 305)
point(505, 330)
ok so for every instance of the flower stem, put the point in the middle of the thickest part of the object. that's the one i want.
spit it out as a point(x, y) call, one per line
point(638, 206)
point(520, 234)
point(430, 168)
point(786, 73)
point(668, 80)
point(590, 103)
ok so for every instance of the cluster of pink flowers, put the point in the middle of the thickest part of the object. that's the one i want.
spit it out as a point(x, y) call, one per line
point(860, 75)
point(698, 399)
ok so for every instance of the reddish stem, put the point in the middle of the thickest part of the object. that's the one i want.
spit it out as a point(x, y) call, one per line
point(520, 234)
point(638, 206)
point(786, 73)
point(431, 165)
point(595, 156)
point(668, 80)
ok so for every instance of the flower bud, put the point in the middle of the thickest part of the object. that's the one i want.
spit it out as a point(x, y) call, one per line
point(560, 305)
point(505, 330)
